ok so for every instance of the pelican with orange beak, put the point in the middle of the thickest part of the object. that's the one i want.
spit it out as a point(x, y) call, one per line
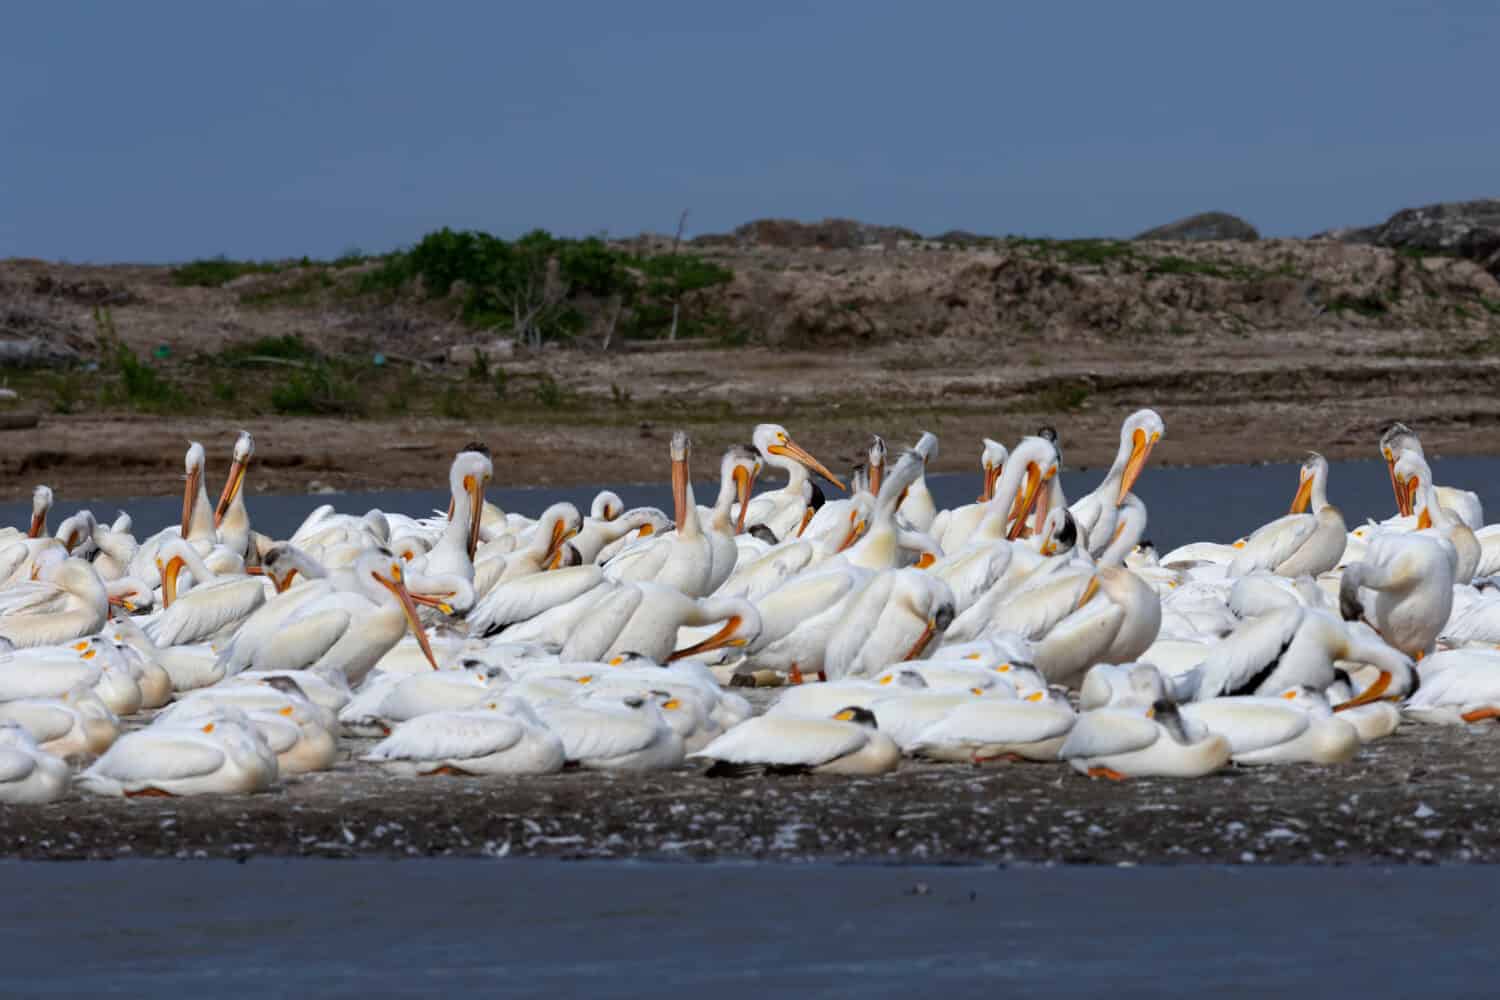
point(1299, 544)
point(1097, 512)
point(785, 511)
point(644, 618)
point(231, 519)
point(453, 554)
point(216, 603)
point(1398, 439)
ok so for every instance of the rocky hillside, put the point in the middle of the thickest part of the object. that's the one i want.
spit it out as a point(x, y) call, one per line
point(816, 285)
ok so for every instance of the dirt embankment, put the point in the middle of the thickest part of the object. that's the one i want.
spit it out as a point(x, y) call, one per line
point(1251, 351)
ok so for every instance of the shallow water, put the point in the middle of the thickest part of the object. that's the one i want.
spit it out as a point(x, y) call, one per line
point(1218, 503)
point(534, 927)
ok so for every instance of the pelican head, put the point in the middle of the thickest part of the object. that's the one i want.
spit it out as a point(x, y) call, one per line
point(41, 505)
point(992, 459)
point(858, 716)
point(877, 462)
point(607, 506)
point(1034, 462)
point(194, 463)
point(926, 446)
point(77, 529)
point(1394, 440)
point(1138, 435)
point(244, 450)
point(741, 465)
point(557, 524)
point(385, 570)
point(1411, 475)
point(1059, 533)
point(470, 473)
point(1313, 467)
point(777, 448)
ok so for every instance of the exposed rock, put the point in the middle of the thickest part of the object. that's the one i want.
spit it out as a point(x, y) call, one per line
point(501, 349)
point(829, 234)
point(1204, 226)
point(1468, 229)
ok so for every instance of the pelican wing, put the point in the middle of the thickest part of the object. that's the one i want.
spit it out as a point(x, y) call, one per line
point(1106, 732)
point(588, 734)
point(30, 597)
point(15, 765)
point(526, 597)
point(204, 610)
point(997, 720)
point(1249, 723)
point(304, 641)
point(1245, 658)
point(604, 622)
point(787, 741)
point(148, 756)
point(1273, 544)
point(1472, 678)
point(443, 735)
point(799, 599)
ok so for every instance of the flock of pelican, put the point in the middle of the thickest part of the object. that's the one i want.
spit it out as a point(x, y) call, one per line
point(210, 658)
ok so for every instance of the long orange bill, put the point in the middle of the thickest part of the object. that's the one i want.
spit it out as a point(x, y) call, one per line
point(409, 606)
point(1027, 499)
point(794, 450)
point(560, 534)
point(38, 525)
point(877, 476)
point(743, 481)
point(991, 477)
point(1390, 467)
point(1088, 592)
point(189, 497)
point(1303, 496)
point(920, 646)
point(1140, 451)
point(476, 512)
point(679, 491)
point(724, 637)
point(856, 529)
point(231, 490)
point(169, 581)
point(1369, 694)
point(434, 602)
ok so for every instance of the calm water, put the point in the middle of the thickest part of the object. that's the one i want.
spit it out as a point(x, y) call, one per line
point(1185, 504)
point(584, 928)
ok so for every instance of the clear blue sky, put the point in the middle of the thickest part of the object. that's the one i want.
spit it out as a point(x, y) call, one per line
point(164, 131)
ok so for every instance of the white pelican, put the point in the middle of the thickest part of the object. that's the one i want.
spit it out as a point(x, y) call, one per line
point(916, 506)
point(629, 734)
point(1096, 511)
point(598, 533)
point(299, 733)
point(961, 521)
point(196, 527)
point(500, 736)
point(348, 630)
point(785, 511)
point(1294, 727)
point(900, 616)
point(1116, 620)
point(1404, 587)
point(231, 519)
point(1399, 438)
point(1132, 741)
point(325, 688)
point(1298, 544)
point(1414, 479)
point(544, 550)
point(1032, 727)
point(1015, 484)
point(644, 618)
point(29, 774)
point(215, 603)
point(224, 754)
point(684, 558)
point(1292, 647)
point(798, 618)
point(1458, 686)
point(821, 700)
point(453, 553)
point(41, 506)
point(737, 473)
point(849, 743)
point(71, 602)
point(75, 722)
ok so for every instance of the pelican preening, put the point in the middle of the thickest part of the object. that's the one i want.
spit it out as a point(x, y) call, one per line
point(479, 643)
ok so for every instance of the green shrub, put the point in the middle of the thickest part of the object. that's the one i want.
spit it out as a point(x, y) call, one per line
point(317, 392)
point(212, 272)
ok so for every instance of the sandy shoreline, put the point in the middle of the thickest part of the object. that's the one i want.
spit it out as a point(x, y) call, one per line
point(1426, 795)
